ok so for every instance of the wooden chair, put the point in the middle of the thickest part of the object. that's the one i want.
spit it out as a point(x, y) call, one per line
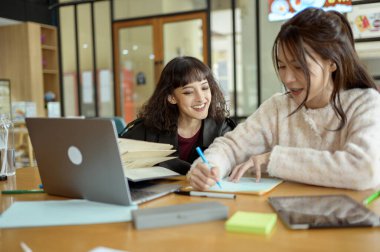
point(23, 143)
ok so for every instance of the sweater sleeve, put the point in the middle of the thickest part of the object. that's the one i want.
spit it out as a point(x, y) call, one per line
point(355, 166)
point(254, 136)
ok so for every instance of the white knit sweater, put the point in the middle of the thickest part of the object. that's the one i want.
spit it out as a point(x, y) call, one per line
point(304, 146)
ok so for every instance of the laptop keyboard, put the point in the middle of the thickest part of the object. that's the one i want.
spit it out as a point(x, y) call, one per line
point(141, 194)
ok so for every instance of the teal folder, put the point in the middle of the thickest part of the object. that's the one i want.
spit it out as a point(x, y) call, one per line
point(251, 222)
point(62, 212)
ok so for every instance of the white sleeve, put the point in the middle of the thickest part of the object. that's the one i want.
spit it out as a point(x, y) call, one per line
point(253, 136)
point(355, 166)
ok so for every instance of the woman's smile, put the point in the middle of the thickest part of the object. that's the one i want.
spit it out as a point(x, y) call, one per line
point(200, 107)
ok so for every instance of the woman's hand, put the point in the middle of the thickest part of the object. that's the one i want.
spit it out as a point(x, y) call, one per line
point(257, 162)
point(201, 177)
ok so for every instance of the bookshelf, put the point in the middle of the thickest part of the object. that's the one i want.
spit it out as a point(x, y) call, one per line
point(30, 61)
point(50, 69)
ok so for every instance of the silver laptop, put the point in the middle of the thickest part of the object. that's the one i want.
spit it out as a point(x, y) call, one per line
point(79, 158)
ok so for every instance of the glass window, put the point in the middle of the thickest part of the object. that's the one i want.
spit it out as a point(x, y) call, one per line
point(221, 48)
point(178, 43)
point(138, 8)
point(246, 57)
point(136, 68)
point(86, 60)
point(103, 40)
point(369, 54)
point(245, 48)
point(68, 61)
point(270, 84)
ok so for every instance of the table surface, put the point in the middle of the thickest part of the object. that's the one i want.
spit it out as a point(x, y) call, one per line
point(206, 236)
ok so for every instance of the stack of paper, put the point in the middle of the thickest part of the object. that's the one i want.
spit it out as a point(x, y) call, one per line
point(138, 158)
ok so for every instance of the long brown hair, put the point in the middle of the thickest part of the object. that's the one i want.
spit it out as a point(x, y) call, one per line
point(329, 34)
point(180, 71)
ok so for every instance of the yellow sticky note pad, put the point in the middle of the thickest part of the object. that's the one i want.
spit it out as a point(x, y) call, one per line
point(251, 222)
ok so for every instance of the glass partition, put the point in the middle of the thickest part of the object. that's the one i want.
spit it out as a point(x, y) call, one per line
point(86, 73)
point(68, 61)
point(136, 68)
point(246, 57)
point(139, 8)
point(270, 84)
point(104, 71)
point(86, 60)
point(179, 43)
point(222, 46)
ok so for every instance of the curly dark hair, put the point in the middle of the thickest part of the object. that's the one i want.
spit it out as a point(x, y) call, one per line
point(158, 113)
point(329, 34)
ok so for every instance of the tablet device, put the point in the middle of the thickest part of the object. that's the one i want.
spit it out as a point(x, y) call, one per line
point(323, 211)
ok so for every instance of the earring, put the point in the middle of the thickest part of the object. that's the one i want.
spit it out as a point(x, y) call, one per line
point(171, 99)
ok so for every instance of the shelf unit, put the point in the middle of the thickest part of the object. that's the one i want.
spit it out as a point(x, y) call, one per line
point(50, 69)
point(30, 60)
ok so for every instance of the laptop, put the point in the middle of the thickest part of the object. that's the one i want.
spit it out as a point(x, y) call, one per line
point(79, 158)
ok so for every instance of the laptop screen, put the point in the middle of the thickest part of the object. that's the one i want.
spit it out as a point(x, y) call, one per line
point(79, 158)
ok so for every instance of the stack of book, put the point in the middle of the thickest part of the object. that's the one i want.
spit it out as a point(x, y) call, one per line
point(140, 157)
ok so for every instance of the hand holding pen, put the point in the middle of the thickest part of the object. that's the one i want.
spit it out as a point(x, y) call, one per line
point(203, 176)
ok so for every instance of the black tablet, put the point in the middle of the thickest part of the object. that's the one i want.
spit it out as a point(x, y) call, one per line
point(323, 211)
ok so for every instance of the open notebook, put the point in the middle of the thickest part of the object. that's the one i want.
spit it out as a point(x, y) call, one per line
point(244, 186)
point(139, 158)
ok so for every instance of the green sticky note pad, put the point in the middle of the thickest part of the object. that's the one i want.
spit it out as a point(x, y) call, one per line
point(251, 222)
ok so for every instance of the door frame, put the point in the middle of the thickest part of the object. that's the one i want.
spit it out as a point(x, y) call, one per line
point(158, 46)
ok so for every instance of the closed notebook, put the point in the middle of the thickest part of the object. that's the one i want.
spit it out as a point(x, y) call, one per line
point(251, 222)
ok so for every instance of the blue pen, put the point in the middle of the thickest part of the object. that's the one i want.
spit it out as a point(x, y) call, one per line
point(200, 152)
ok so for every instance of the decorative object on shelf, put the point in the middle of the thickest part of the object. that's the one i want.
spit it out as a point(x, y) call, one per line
point(49, 96)
point(43, 38)
point(23, 109)
point(54, 109)
point(5, 97)
point(7, 151)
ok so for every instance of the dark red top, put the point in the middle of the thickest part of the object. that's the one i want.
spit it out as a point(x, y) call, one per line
point(185, 145)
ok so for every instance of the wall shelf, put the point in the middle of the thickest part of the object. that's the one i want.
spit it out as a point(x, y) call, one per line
point(30, 60)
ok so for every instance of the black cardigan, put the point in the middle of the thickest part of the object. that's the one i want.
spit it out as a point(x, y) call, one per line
point(210, 130)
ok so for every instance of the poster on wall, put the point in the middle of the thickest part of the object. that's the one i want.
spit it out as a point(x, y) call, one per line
point(285, 9)
point(70, 93)
point(365, 20)
point(105, 83)
point(87, 88)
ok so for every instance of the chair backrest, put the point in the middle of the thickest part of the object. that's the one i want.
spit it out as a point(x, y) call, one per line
point(119, 123)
